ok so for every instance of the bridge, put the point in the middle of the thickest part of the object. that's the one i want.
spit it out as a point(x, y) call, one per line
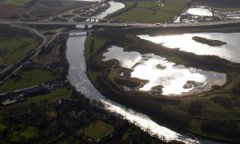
point(109, 24)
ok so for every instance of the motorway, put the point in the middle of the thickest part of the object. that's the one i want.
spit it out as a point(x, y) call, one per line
point(139, 25)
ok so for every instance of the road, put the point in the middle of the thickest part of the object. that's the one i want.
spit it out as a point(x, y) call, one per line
point(139, 25)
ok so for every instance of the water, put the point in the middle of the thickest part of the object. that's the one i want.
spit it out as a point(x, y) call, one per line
point(78, 78)
point(176, 80)
point(204, 14)
point(200, 11)
point(234, 16)
point(126, 59)
point(184, 42)
point(114, 6)
point(195, 14)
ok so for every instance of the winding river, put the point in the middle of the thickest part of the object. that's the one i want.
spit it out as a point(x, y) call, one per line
point(78, 78)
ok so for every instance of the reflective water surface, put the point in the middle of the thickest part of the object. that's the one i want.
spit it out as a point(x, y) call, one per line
point(126, 59)
point(229, 51)
point(114, 6)
point(200, 11)
point(175, 79)
point(78, 78)
point(196, 14)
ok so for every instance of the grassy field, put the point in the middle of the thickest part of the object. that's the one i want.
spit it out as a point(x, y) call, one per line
point(97, 129)
point(2, 128)
point(28, 78)
point(128, 4)
point(61, 92)
point(29, 132)
point(58, 93)
point(151, 12)
point(24, 134)
point(11, 49)
point(17, 2)
point(97, 44)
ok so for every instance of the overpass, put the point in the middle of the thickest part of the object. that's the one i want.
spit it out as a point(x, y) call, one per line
point(104, 24)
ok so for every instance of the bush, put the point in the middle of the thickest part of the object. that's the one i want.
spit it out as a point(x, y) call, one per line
point(223, 101)
point(236, 89)
point(195, 108)
point(229, 128)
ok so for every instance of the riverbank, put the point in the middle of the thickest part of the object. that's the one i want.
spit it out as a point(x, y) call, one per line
point(190, 113)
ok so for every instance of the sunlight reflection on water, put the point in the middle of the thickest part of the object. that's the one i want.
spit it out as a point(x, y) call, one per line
point(78, 78)
point(198, 11)
point(184, 42)
point(175, 79)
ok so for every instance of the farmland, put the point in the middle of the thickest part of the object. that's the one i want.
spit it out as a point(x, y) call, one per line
point(37, 8)
point(17, 2)
point(13, 48)
point(27, 78)
point(44, 98)
point(97, 129)
point(152, 12)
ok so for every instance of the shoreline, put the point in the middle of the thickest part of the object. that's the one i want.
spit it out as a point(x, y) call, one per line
point(112, 94)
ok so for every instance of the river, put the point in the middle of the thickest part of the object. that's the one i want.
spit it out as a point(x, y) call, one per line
point(114, 6)
point(78, 78)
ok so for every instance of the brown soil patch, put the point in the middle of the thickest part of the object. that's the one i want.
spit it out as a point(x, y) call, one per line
point(6, 11)
point(51, 56)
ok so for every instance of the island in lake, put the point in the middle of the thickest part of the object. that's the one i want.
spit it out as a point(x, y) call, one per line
point(208, 41)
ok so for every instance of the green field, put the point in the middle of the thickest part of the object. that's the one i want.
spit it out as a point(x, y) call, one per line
point(28, 78)
point(151, 12)
point(98, 42)
point(61, 92)
point(29, 132)
point(24, 134)
point(17, 2)
point(97, 129)
point(58, 93)
point(2, 128)
point(13, 48)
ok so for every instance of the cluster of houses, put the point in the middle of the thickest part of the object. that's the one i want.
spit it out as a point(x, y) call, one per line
point(20, 95)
